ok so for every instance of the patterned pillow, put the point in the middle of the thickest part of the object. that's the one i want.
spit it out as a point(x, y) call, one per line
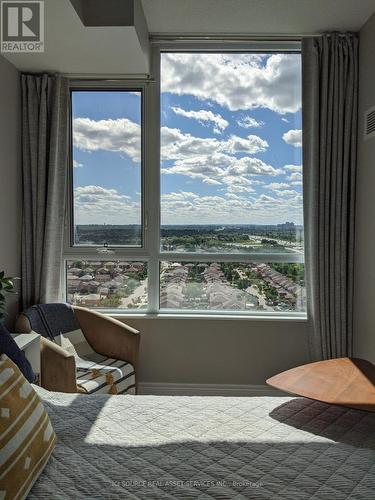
point(26, 435)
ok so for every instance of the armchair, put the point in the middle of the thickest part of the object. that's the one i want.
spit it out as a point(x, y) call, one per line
point(83, 350)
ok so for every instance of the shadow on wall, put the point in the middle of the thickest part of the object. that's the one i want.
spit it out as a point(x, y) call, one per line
point(13, 307)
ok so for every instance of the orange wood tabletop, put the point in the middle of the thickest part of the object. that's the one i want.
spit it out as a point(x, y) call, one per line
point(342, 381)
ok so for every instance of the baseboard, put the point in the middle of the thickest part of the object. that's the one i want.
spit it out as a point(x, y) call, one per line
point(166, 389)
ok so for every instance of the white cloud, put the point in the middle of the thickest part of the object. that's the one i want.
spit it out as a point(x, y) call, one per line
point(293, 168)
point(275, 186)
point(120, 136)
point(240, 205)
point(236, 81)
point(201, 209)
point(180, 196)
point(252, 166)
point(76, 164)
point(251, 144)
point(205, 167)
point(237, 184)
point(233, 208)
point(249, 122)
point(220, 168)
point(99, 205)
point(202, 116)
point(294, 174)
point(287, 192)
point(208, 180)
point(295, 177)
point(294, 138)
point(178, 145)
point(91, 193)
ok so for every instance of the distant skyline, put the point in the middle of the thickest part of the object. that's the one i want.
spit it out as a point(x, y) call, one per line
point(186, 225)
point(231, 144)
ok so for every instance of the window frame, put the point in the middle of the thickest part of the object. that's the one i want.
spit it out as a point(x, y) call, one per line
point(150, 251)
point(97, 86)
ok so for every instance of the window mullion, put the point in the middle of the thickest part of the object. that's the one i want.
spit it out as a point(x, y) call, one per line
point(152, 186)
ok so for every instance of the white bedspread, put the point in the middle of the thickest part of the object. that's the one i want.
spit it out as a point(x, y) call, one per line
point(112, 447)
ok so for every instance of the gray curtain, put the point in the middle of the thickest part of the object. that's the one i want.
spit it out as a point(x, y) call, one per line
point(44, 167)
point(330, 93)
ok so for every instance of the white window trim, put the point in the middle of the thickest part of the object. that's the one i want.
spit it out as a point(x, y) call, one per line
point(151, 210)
point(207, 315)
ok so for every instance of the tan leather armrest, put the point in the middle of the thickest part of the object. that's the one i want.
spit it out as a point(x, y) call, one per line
point(22, 324)
point(58, 367)
point(108, 336)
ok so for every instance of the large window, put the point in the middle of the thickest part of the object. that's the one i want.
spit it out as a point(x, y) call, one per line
point(107, 173)
point(232, 286)
point(106, 284)
point(230, 234)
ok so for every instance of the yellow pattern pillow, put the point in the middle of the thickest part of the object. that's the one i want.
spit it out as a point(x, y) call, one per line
point(26, 435)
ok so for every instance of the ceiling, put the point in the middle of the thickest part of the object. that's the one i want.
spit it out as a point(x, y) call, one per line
point(71, 47)
point(256, 16)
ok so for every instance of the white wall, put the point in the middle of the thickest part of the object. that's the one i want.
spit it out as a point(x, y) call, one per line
point(364, 298)
point(10, 173)
point(212, 351)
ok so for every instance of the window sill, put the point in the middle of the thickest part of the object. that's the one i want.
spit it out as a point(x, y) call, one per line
point(227, 317)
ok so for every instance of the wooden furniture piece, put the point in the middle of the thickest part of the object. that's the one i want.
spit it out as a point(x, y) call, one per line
point(29, 343)
point(342, 381)
point(108, 338)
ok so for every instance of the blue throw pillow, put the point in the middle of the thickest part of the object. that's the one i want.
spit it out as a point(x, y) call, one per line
point(9, 347)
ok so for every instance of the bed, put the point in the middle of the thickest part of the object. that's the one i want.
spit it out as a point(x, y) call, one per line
point(206, 447)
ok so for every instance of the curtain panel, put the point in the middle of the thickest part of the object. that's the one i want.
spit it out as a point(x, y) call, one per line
point(330, 94)
point(45, 173)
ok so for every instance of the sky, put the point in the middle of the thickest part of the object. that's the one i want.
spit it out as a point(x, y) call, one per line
point(230, 143)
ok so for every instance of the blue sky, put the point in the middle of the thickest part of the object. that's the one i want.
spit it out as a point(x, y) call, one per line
point(231, 143)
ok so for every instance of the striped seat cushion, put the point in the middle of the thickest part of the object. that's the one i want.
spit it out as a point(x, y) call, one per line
point(100, 375)
point(96, 373)
point(26, 435)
